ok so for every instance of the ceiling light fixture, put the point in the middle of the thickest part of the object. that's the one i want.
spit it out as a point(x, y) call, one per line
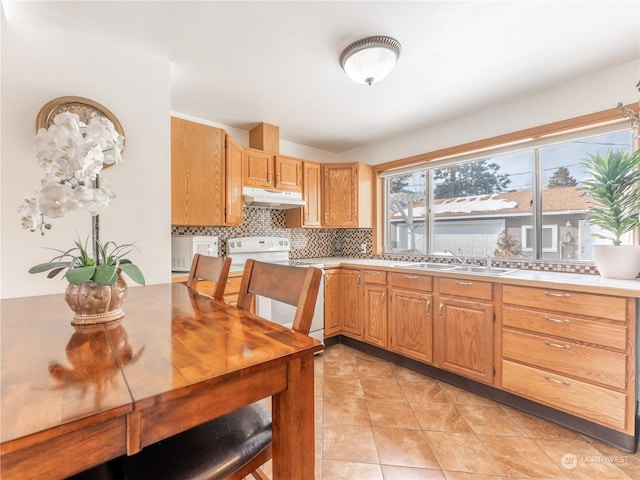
point(371, 59)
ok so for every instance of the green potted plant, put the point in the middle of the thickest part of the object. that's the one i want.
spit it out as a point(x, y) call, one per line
point(614, 186)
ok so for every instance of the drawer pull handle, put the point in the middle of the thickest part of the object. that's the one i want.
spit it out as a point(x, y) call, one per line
point(411, 277)
point(466, 284)
point(373, 273)
point(556, 320)
point(551, 294)
point(555, 380)
point(557, 345)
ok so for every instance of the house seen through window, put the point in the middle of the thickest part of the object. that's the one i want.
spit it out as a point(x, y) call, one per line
point(522, 203)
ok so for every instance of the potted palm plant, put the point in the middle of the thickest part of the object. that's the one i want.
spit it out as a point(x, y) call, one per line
point(614, 187)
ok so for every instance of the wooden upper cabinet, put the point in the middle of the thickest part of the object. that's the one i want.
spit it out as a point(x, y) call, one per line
point(233, 181)
point(346, 195)
point(205, 176)
point(264, 170)
point(310, 214)
point(257, 170)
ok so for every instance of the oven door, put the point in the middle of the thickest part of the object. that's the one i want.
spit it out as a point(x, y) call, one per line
point(282, 313)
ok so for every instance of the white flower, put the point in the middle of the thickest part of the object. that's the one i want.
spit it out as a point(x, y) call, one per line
point(72, 156)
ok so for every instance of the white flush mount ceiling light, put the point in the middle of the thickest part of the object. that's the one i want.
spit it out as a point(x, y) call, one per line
point(371, 59)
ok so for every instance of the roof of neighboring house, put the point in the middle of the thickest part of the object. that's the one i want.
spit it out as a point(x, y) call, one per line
point(563, 199)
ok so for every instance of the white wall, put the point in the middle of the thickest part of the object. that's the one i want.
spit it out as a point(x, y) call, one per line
point(588, 94)
point(286, 148)
point(42, 63)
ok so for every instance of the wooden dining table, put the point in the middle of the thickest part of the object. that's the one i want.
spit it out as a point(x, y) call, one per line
point(75, 397)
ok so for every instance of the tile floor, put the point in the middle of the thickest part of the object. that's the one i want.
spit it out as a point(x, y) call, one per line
point(379, 421)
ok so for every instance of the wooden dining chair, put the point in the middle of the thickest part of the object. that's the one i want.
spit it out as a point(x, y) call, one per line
point(237, 444)
point(213, 269)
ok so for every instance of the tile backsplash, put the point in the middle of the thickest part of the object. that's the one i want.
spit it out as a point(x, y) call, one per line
point(319, 242)
point(305, 242)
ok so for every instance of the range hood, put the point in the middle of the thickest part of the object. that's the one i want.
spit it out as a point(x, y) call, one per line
point(274, 199)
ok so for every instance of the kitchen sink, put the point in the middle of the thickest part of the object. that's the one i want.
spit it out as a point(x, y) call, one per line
point(479, 270)
point(426, 266)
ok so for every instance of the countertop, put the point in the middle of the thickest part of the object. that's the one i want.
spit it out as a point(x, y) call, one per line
point(534, 278)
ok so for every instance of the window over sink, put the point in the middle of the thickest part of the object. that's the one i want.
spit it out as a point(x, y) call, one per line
point(520, 201)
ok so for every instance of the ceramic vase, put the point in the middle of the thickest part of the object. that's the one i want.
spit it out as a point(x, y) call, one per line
point(621, 262)
point(93, 303)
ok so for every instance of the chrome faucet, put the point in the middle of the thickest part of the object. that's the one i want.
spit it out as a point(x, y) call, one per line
point(460, 256)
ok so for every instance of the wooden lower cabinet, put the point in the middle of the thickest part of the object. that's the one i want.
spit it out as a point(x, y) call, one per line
point(571, 351)
point(411, 316)
point(332, 303)
point(351, 300)
point(375, 308)
point(463, 334)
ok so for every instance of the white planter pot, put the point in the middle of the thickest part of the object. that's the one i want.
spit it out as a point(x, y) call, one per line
point(622, 262)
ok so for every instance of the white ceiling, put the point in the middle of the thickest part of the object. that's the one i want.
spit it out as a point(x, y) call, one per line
point(240, 63)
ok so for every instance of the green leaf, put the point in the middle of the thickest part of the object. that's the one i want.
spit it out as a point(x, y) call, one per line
point(43, 267)
point(80, 275)
point(105, 275)
point(133, 271)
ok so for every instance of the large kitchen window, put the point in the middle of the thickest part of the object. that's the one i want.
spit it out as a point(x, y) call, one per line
point(520, 202)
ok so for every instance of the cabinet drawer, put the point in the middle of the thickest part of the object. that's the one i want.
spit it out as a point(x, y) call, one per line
point(600, 405)
point(465, 288)
point(422, 283)
point(374, 276)
point(589, 363)
point(610, 335)
point(593, 305)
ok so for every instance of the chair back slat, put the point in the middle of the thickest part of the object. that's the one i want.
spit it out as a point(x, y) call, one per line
point(213, 269)
point(287, 284)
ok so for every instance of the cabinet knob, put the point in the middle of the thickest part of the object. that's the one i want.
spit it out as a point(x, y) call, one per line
point(428, 307)
point(278, 178)
point(269, 177)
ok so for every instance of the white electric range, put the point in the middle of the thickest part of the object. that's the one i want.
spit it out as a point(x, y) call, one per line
point(275, 250)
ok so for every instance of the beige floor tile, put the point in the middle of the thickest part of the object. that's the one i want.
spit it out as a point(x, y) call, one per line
point(489, 420)
point(628, 462)
point(536, 427)
point(442, 417)
point(460, 396)
point(382, 389)
point(474, 476)
point(346, 411)
point(427, 390)
point(343, 387)
point(392, 472)
point(318, 365)
point(341, 370)
point(462, 452)
point(385, 413)
point(522, 457)
point(407, 375)
point(349, 443)
point(376, 370)
point(318, 386)
point(337, 470)
point(404, 448)
point(340, 353)
point(579, 459)
point(362, 357)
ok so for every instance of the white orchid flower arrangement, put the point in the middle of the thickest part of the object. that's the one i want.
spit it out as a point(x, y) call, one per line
point(72, 155)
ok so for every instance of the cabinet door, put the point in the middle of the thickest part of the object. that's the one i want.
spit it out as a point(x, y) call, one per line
point(340, 195)
point(464, 338)
point(233, 182)
point(375, 315)
point(197, 174)
point(351, 301)
point(311, 194)
point(332, 304)
point(257, 170)
point(411, 324)
point(288, 173)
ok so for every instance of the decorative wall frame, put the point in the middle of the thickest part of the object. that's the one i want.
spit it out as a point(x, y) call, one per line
point(83, 107)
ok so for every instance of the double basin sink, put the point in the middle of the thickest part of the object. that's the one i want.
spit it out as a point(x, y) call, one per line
point(474, 269)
